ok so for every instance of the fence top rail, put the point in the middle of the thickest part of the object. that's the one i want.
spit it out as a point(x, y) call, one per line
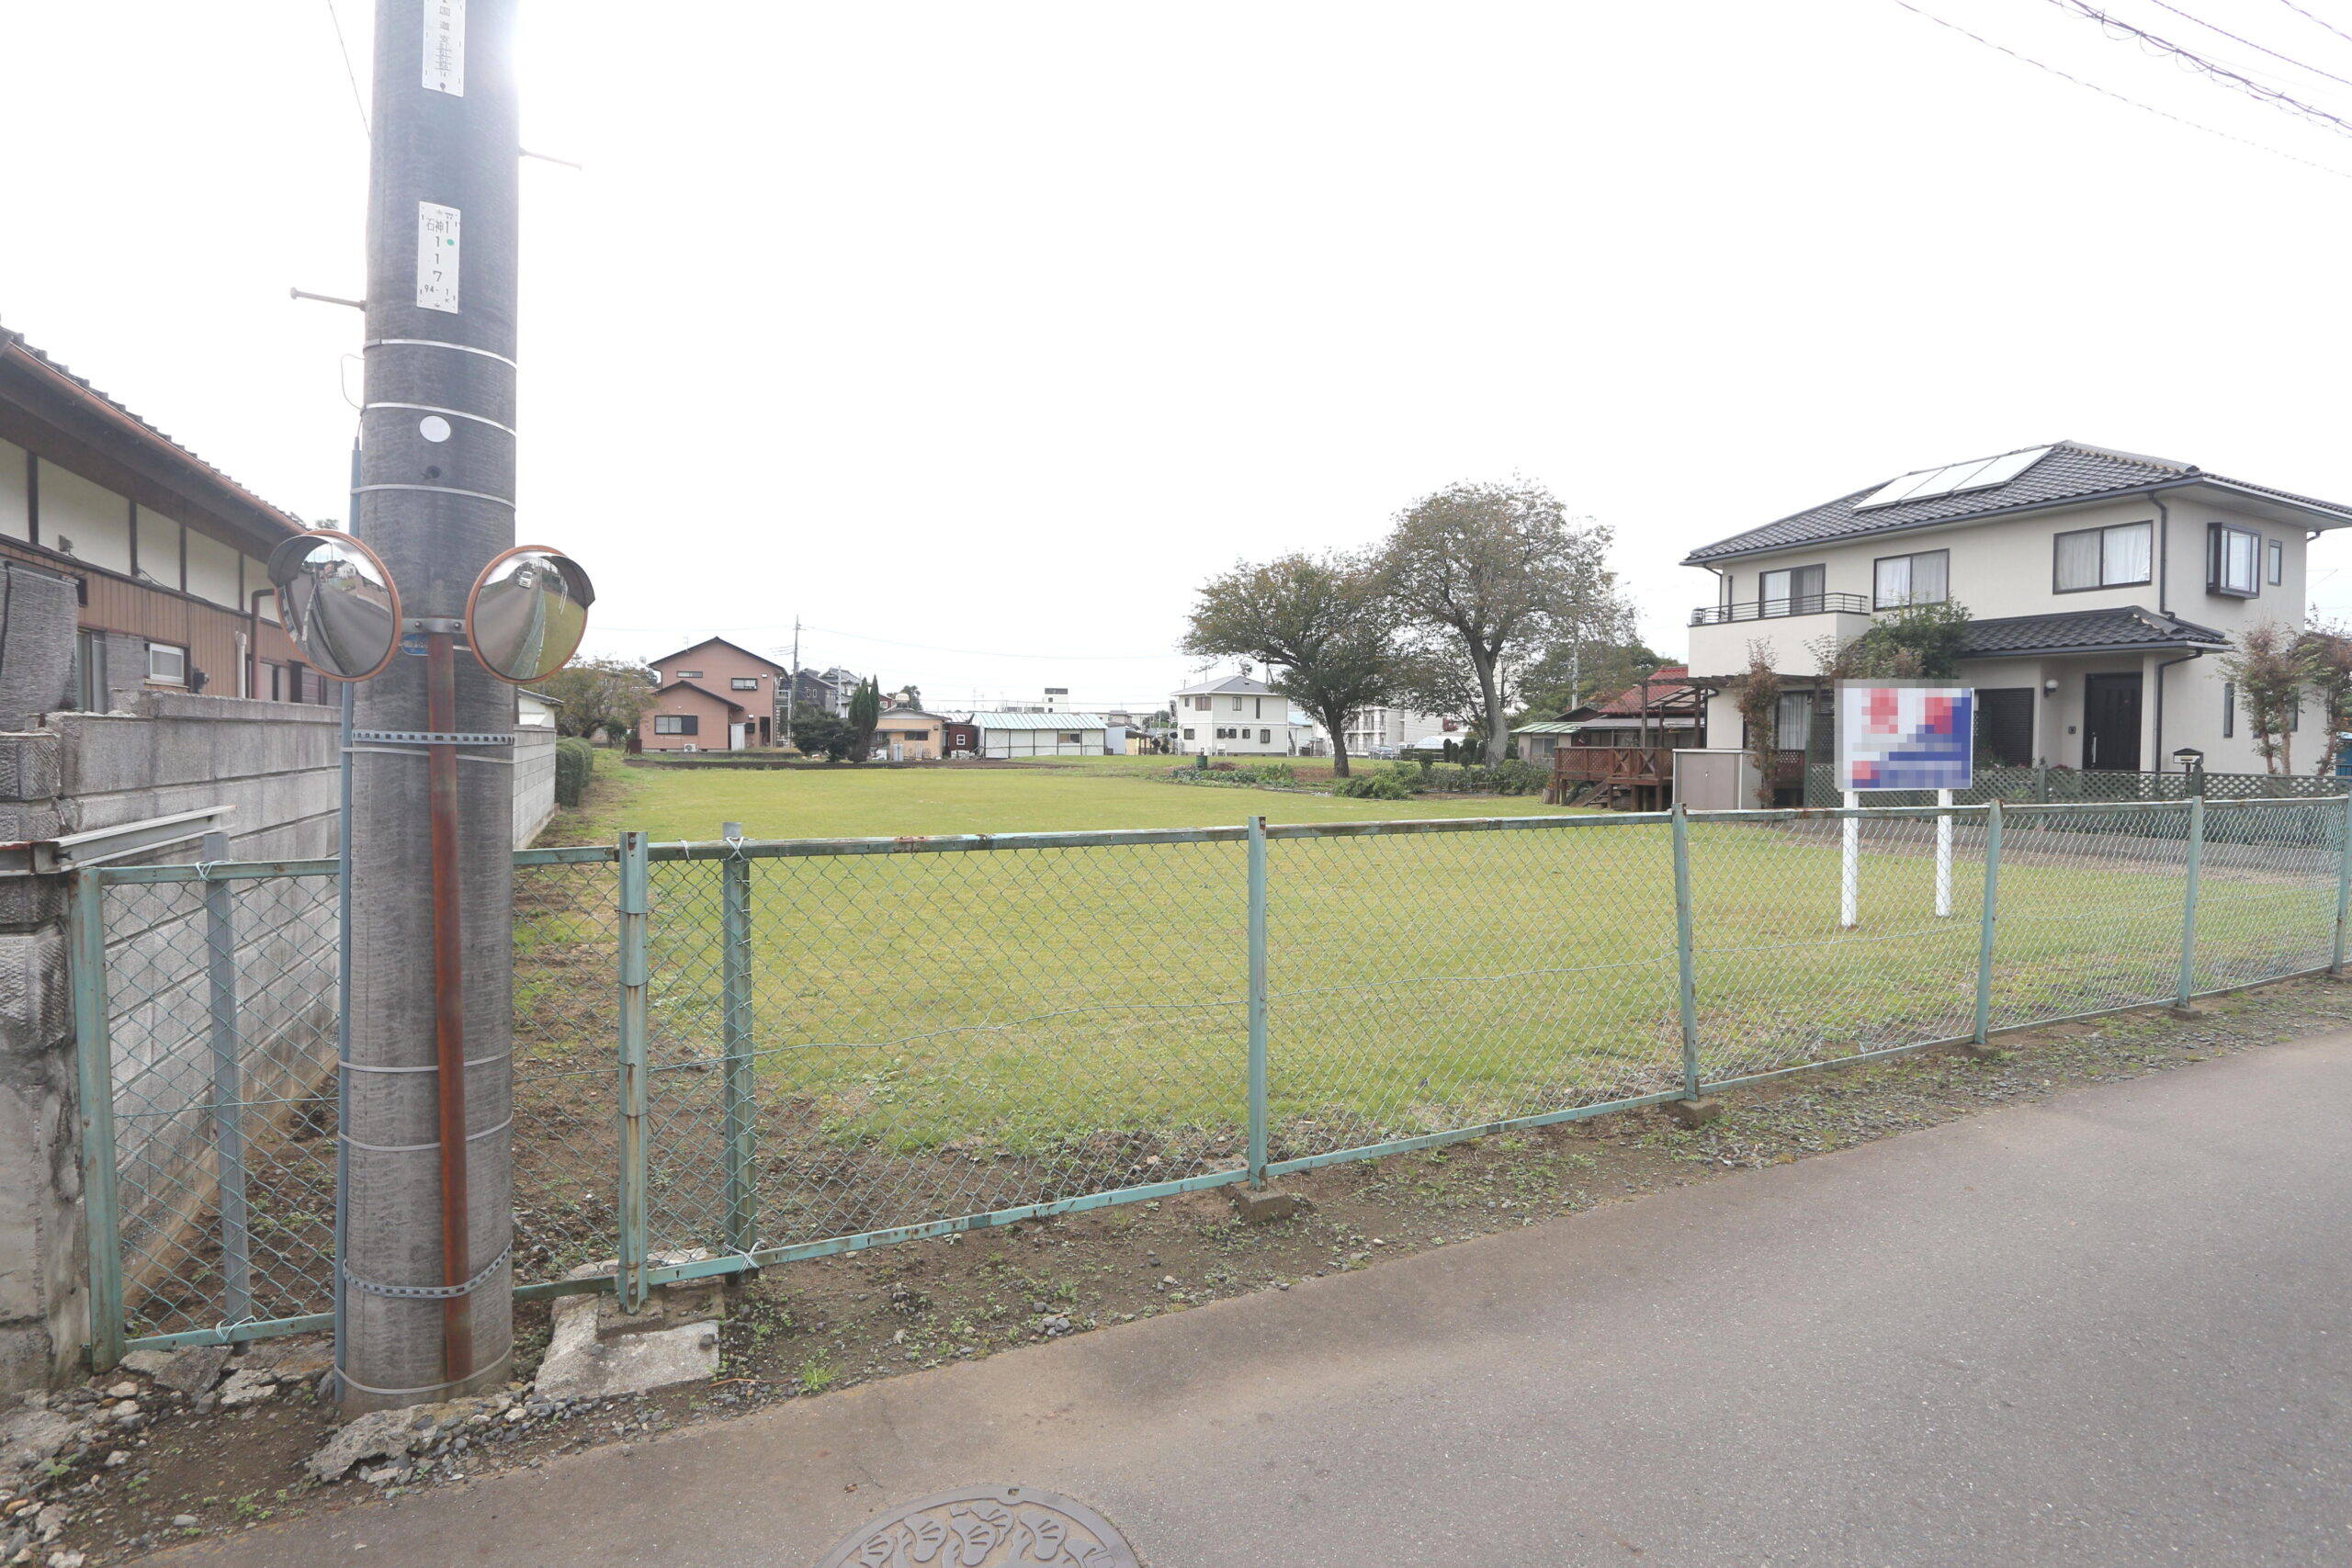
point(214, 871)
point(760, 849)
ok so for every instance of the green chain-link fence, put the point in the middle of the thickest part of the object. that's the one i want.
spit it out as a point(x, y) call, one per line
point(737, 1052)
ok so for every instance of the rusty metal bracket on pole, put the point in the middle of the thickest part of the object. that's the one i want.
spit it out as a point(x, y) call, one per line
point(449, 1006)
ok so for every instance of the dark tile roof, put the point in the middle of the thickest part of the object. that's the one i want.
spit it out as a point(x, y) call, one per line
point(2070, 472)
point(2084, 631)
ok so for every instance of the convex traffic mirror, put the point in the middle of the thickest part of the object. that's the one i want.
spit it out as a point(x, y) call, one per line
point(337, 603)
point(527, 613)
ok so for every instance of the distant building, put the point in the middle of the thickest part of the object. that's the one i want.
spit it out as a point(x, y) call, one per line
point(1040, 735)
point(1240, 715)
point(688, 717)
point(909, 735)
point(748, 681)
point(1389, 731)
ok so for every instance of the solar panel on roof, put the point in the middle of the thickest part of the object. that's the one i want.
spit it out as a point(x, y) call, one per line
point(1977, 473)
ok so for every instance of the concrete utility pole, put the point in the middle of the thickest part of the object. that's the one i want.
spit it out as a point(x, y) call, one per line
point(426, 1305)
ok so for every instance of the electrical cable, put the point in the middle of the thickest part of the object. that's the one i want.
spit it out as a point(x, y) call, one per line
point(2262, 49)
point(2220, 73)
point(2119, 97)
point(358, 100)
point(2323, 21)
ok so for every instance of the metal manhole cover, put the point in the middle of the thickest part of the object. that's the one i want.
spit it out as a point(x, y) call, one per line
point(985, 1526)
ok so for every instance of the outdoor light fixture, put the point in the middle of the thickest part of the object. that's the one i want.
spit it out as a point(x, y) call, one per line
point(2050, 688)
point(2189, 757)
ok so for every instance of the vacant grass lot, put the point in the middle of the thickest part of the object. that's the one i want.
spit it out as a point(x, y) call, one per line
point(868, 801)
point(940, 1034)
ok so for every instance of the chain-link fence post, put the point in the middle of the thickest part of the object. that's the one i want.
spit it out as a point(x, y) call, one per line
point(1258, 1003)
point(2189, 902)
point(2342, 889)
point(1686, 959)
point(94, 1053)
point(630, 1209)
point(1988, 925)
point(741, 1105)
point(228, 1089)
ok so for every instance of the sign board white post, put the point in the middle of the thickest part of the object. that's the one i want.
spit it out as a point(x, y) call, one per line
point(1849, 871)
point(1901, 735)
point(1943, 856)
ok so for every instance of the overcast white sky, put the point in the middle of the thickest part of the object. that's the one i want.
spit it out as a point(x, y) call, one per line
point(978, 333)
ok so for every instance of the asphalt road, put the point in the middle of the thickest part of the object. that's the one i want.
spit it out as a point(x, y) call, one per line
point(2109, 1329)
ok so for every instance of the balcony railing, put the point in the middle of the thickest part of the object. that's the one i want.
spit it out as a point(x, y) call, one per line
point(1772, 609)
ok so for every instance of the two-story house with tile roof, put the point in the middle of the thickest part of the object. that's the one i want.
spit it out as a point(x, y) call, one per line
point(2103, 587)
point(701, 684)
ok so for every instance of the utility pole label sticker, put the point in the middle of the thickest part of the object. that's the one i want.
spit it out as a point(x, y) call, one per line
point(445, 47)
point(437, 257)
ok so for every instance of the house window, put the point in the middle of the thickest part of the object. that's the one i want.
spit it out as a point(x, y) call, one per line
point(1793, 722)
point(1201, 704)
point(1913, 579)
point(167, 665)
point(677, 724)
point(2278, 563)
point(1067, 739)
point(744, 683)
point(2229, 709)
point(1237, 704)
point(687, 675)
point(2231, 557)
point(1792, 591)
point(2120, 557)
point(1188, 735)
point(1265, 737)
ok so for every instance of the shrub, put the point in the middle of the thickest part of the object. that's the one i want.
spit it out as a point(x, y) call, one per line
point(1389, 785)
point(576, 761)
point(1503, 778)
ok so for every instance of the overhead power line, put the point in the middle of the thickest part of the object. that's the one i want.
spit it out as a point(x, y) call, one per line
point(358, 100)
point(2119, 97)
point(2259, 48)
point(2215, 70)
point(2323, 21)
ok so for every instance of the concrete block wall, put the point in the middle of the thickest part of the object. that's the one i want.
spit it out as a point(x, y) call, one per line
point(534, 782)
point(157, 754)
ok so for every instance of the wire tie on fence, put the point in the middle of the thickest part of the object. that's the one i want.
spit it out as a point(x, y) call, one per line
point(429, 1292)
point(734, 842)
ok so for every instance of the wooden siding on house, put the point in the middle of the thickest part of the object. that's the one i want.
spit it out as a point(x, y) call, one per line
point(112, 603)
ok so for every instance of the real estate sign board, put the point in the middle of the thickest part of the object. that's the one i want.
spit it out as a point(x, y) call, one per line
point(1904, 735)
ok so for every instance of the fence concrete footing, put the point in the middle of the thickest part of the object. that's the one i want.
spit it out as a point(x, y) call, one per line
point(1257, 1207)
point(1694, 1113)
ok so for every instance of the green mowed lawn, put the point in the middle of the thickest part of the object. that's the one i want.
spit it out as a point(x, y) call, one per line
point(875, 802)
point(1024, 1002)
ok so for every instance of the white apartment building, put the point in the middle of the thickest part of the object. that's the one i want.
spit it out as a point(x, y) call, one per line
point(1240, 715)
point(1385, 731)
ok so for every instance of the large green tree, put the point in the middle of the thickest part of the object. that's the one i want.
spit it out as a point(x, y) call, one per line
point(610, 694)
point(1576, 671)
point(1485, 577)
point(1319, 622)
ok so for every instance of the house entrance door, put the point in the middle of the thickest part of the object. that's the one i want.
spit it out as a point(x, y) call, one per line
point(2111, 722)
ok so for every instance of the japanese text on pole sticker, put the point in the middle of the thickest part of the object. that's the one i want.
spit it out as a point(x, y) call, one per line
point(437, 257)
point(445, 47)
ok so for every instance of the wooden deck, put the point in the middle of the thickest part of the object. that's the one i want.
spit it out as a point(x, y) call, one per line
point(1637, 778)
